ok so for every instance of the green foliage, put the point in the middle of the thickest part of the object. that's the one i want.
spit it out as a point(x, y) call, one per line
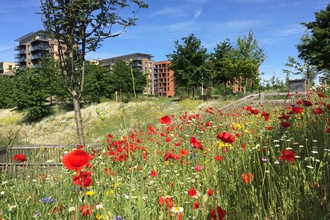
point(307, 71)
point(29, 93)
point(96, 83)
point(6, 85)
point(315, 49)
point(121, 80)
point(223, 53)
point(188, 62)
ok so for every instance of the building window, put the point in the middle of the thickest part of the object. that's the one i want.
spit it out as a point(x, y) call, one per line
point(10, 67)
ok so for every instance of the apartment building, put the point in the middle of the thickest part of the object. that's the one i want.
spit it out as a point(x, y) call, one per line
point(140, 61)
point(30, 48)
point(164, 79)
point(6, 68)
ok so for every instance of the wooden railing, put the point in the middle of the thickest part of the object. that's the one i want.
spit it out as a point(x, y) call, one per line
point(39, 158)
point(264, 98)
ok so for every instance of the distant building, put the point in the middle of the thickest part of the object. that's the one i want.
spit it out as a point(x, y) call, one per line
point(164, 79)
point(30, 48)
point(140, 61)
point(6, 68)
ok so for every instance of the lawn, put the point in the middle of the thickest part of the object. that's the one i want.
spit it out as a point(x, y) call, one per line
point(185, 160)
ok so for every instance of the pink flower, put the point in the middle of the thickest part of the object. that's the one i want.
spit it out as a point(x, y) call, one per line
point(198, 168)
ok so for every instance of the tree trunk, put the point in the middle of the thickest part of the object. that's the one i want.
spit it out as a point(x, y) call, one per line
point(121, 95)
point(77, 114)
point(193, 92)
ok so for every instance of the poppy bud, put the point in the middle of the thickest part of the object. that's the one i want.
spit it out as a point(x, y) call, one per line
point(205, 198)
point(97, 111)
point(102, 116)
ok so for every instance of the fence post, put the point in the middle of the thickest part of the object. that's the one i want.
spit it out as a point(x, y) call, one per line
point(262, 98)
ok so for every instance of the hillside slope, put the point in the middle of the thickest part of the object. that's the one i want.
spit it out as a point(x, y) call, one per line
point(119, 118)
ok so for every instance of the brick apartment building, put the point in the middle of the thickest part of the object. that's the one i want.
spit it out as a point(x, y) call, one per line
point(30, 48)
point(164, 79)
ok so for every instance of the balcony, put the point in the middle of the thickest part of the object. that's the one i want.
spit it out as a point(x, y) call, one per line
point(38, 55)
point(136, 64)
point(20, 51)
point(40, 47)
point(19, 60)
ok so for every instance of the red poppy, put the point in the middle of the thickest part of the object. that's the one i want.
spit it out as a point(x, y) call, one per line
point(226, 137)
point(76, 160)
point(327, 130)
point(195, 143)
point(317, 111)
point(218, 158)
point(165, 120)
point(168, 201)
point(299, 102)
point(184, 152)
point(82, 179)
point(168, 139)
point(217, 214)
point(284, 116)
point(79, 147)
point(247, 177)
point(153, 173)
point(328, 106)
point(321, 95)
point(195, 205)
point(210, 192)
point(208, 124)
point(248, 108)
point(19, 157)
point(297, 110)
point(287, 155)
point(307, 103)
point(285, 124)
point(192, 192)
point(269, 128)
point(254, 111)
point(86, 210)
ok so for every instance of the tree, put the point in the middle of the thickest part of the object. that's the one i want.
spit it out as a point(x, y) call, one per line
point(49, 70)
point(249, 57)
point(222, 58)
point(316, 48)
point(6, 86)
point(325, 78)
point(29, 93)
point(80, 26)
point(96, 83)
point(187, 61)
point(120, 75)
point(308, 71)
point(241, 62)
point(121, 79)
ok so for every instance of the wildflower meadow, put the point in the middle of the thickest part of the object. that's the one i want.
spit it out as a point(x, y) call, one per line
point(254, 162)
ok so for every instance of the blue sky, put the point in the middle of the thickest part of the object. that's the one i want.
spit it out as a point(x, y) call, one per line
point(275, 24)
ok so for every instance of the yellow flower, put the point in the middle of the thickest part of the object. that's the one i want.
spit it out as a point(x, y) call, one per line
point(109, 192)
point(89, 193)
point(117, 185)
point(98, 216)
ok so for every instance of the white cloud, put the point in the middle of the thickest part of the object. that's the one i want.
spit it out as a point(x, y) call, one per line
point(198, 12)
point(4, 47)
